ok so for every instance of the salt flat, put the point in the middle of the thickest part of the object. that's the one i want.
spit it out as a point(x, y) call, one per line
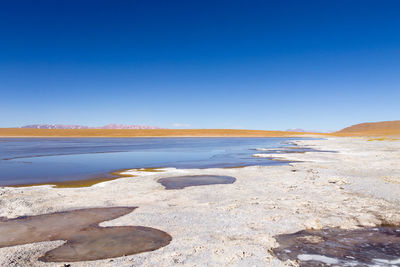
point(231, 224)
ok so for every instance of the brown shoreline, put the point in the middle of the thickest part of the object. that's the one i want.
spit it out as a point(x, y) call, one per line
point(88, 182)
point(84, 182)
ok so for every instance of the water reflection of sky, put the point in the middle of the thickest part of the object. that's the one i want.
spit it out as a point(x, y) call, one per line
point(33, 160)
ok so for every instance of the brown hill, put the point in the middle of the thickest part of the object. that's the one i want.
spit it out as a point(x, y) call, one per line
point(371, 129)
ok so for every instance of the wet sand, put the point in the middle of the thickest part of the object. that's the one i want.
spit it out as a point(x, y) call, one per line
point(88, 182)
point(356, 187)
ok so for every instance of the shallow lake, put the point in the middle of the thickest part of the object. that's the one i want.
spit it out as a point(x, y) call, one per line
point(41, 160)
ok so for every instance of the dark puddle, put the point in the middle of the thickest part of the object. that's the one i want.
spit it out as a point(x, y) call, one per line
point(378, 246)
point(180, 182)
point(85, 239)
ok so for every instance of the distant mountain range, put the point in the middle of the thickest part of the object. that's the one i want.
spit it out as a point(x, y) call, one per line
point(108, 126)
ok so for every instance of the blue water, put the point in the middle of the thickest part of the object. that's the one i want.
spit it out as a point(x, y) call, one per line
point(41, 160)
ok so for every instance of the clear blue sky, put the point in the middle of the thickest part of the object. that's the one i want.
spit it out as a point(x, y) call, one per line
point(318, 65)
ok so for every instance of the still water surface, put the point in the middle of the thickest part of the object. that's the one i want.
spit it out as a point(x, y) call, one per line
point(41, 160)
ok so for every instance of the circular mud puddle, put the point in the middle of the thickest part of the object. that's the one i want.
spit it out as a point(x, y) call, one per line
point(378, 246)
point(180, 182)
point(85, 239)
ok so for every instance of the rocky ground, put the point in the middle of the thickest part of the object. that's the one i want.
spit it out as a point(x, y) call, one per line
point(232, 224)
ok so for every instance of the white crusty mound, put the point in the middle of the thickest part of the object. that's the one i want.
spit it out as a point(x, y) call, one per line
point(231, 224)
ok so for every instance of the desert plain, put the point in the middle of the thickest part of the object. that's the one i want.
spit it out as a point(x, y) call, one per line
point(347, 183)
